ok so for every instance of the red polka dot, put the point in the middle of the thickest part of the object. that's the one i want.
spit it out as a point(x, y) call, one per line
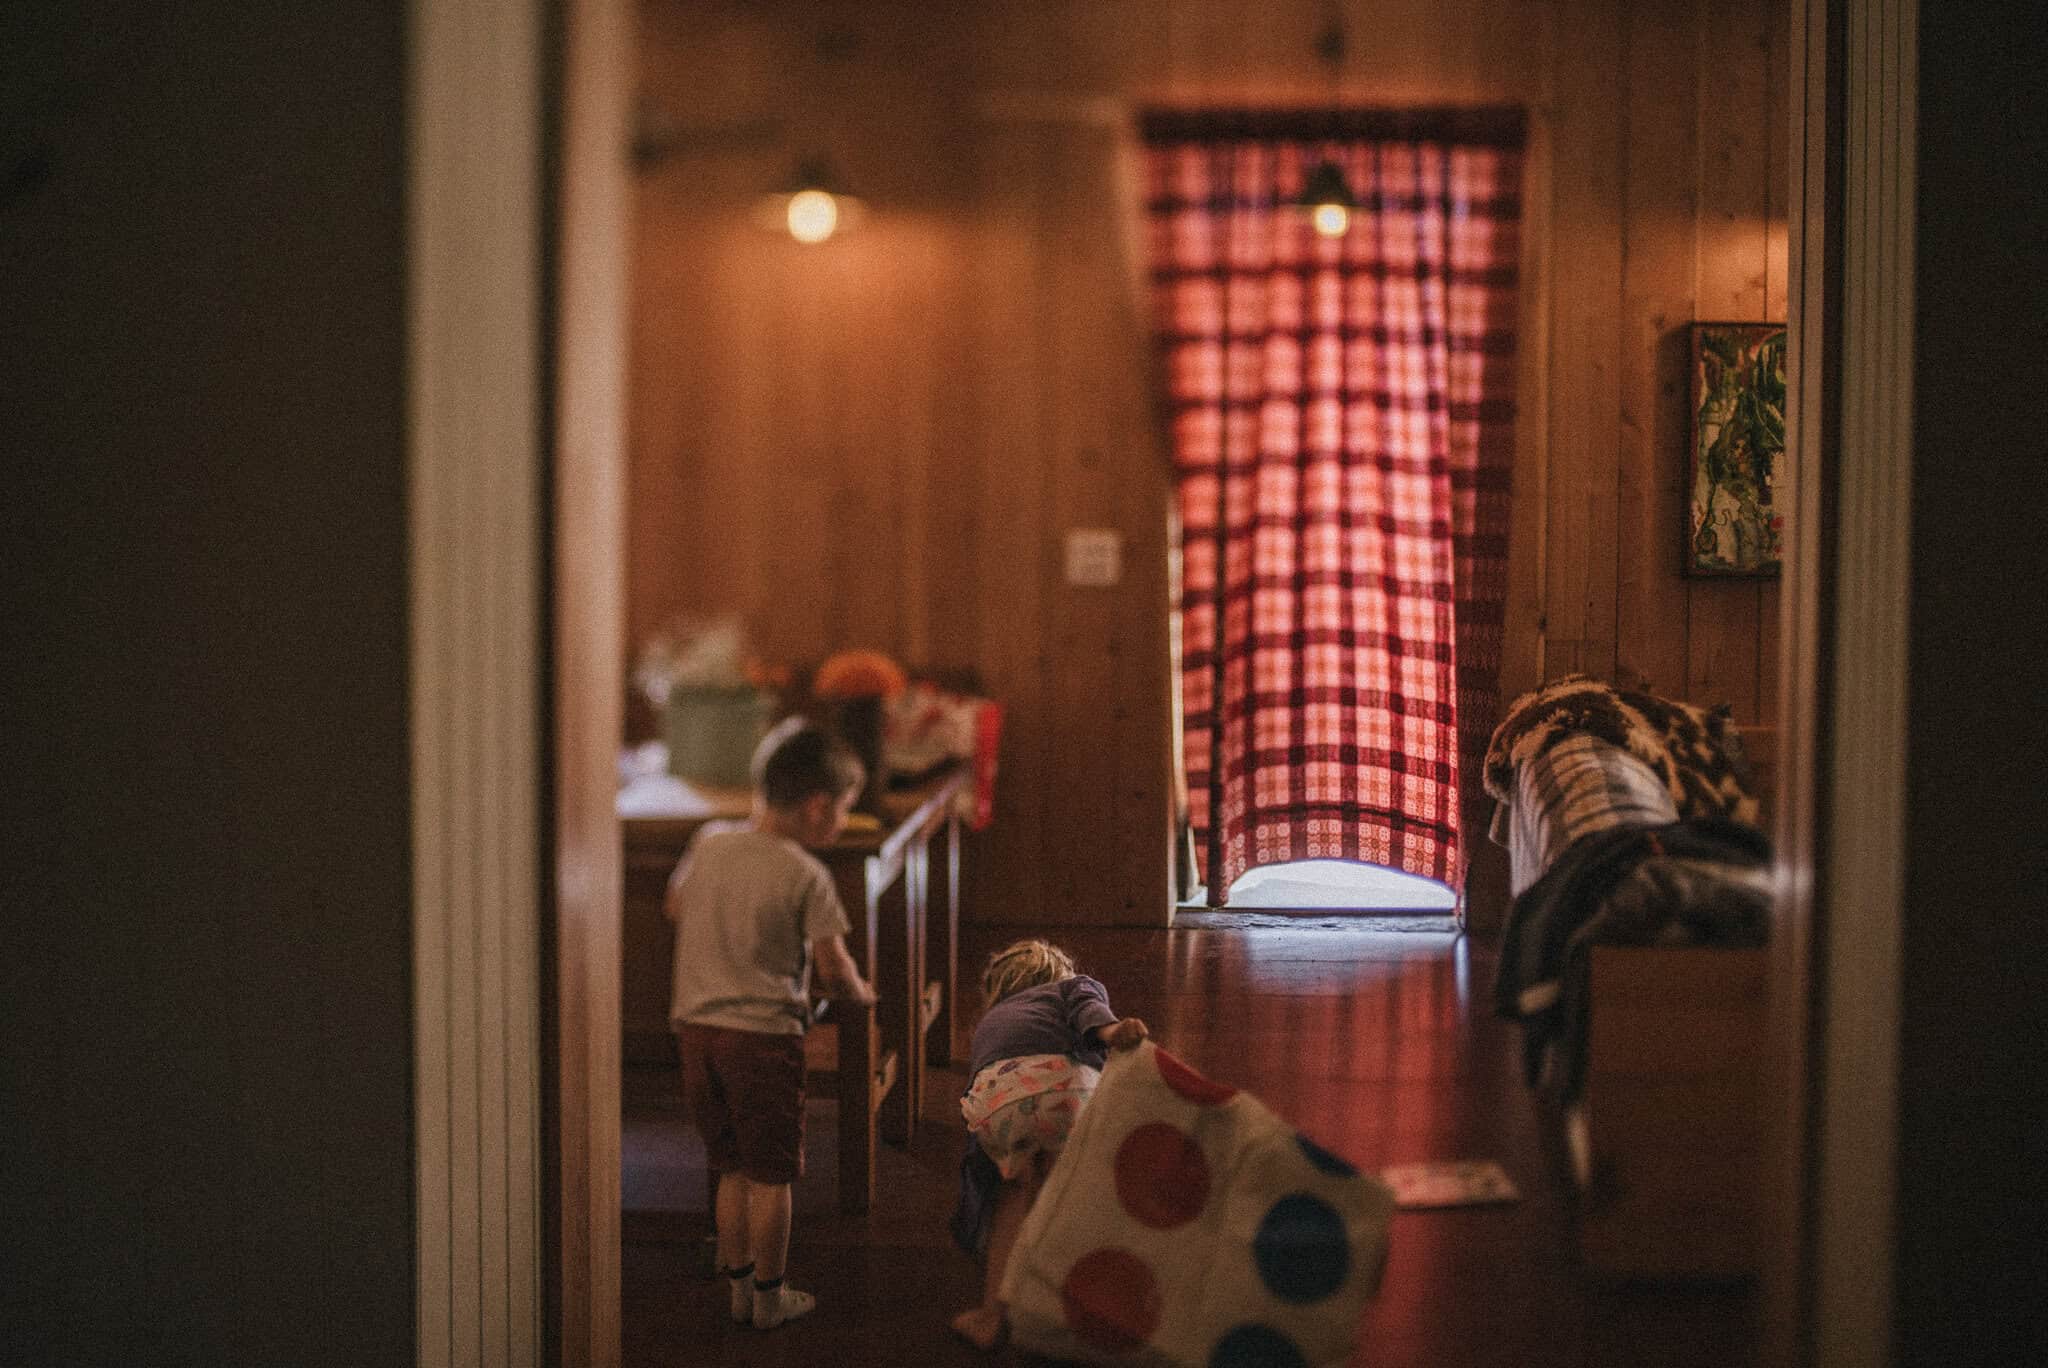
point(1189, 1084)
point(1162, 1177)
point(1111, 1300)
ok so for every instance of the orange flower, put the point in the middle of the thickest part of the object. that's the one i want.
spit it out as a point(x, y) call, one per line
point(766, 675)
point(858, 674)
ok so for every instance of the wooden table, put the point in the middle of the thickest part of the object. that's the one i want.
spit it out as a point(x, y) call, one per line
point(905, 908)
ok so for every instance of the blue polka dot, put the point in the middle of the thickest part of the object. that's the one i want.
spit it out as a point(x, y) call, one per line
point(1256, 1346)
point(1324, 1160)
point(1301, 1250)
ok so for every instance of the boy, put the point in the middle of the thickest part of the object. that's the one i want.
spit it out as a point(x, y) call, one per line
point(753, 912)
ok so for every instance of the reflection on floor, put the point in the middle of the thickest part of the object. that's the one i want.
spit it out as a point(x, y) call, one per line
point(1380, 1044)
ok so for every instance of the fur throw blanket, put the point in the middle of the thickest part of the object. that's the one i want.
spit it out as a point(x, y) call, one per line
point(1694, 751)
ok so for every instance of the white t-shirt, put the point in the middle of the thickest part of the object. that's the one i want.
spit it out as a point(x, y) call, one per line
point(747, 906)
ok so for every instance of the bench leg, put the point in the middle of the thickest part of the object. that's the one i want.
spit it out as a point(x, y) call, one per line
point(918, 886)
point(896, 1010)
point(942, 900)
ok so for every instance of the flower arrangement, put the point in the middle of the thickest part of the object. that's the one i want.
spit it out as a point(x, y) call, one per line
point(690, 652)
point(858, 674)
point(712, 698)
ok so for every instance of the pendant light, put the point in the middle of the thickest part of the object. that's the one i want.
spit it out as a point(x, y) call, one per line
point(1326, 195)
point(811, 205)
point(1327, 198)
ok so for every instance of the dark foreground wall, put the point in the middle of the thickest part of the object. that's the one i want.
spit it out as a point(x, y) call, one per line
point(204, 1068)
point(1975, 953)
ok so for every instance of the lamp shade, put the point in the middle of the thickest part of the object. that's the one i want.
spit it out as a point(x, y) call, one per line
point(812, 205)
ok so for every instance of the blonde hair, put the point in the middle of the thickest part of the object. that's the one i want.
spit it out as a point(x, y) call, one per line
point(1023, 964)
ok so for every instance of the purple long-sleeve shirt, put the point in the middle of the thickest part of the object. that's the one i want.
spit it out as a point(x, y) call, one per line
point(1053, 1018)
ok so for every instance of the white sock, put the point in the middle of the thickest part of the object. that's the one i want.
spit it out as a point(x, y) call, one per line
point(741, 1282)
point(774, 1305)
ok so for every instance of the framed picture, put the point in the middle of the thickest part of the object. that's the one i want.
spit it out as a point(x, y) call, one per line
point(1734, 525)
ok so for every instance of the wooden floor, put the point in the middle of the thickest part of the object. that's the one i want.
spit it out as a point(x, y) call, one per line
point(1379, 1043)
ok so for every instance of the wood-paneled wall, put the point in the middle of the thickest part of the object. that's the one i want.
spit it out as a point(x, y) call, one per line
point(882, 440)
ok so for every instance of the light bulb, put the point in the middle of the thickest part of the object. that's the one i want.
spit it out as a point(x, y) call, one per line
point(1331, 220)
point(813, 215)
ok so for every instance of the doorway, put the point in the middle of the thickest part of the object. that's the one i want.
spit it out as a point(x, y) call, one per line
point(1340, 409)
point(1569, 639)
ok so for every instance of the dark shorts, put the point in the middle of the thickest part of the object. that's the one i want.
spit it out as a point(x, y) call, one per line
point(745, 1094)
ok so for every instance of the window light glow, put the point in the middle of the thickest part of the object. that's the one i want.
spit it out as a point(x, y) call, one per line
point(1339, 885)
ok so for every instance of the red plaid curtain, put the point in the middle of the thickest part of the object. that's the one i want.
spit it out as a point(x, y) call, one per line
point(1342, 415)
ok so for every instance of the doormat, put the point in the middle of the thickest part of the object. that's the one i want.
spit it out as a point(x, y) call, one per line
point(1460, 1182)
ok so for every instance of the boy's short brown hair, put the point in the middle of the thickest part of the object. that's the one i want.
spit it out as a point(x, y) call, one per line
point(798, 759)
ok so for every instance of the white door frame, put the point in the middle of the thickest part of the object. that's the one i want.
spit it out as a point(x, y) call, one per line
point(517, 202)
point(1829, 1196)
point(474, 110)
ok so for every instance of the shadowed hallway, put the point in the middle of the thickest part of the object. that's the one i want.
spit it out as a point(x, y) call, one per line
point(1379, 1043)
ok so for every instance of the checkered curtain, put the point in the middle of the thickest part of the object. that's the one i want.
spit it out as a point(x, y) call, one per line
point(1342, 427)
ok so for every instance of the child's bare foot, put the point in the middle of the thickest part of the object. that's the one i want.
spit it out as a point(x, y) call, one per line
point(981, 1327)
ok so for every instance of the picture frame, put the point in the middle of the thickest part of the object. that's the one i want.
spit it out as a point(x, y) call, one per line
point(1735, 444)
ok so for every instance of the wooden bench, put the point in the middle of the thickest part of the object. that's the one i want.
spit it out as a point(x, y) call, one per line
point(905, 908)
point(1665, 1138)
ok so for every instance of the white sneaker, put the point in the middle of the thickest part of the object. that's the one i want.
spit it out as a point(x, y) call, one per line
point(780, 1304)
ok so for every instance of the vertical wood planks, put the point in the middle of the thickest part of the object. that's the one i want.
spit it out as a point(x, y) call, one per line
point(1660, 211)
point(1009, 553)
point(1139, 460)
point(1585, 338)
point(1522, 665)
point(1777, 285)
point(1735, 165)
point(1088, 352)
point(953, 467)
point(882, 441)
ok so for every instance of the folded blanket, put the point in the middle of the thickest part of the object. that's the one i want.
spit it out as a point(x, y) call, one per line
point(1186, 1224)
point(1693, 750)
